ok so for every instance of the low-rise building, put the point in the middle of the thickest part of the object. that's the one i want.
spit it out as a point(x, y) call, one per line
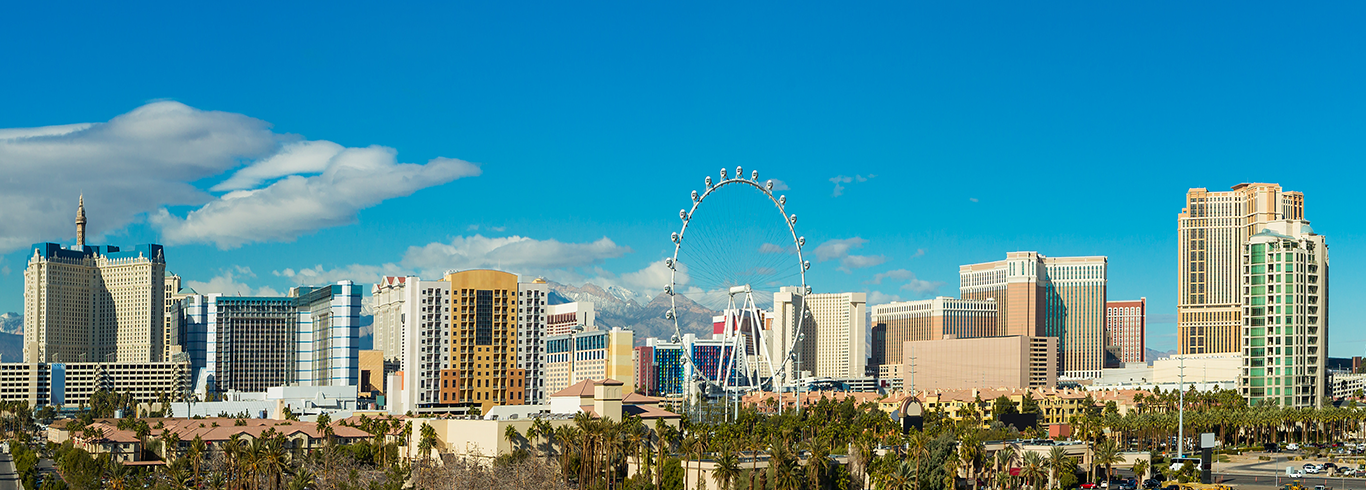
point(954, 364)
point(72, 384)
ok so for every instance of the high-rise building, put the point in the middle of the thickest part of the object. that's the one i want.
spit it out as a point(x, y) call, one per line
point(667, 366)
point(831, 342)
point(1039, 296)
point(94, 303)
point(591, 355)
point(562, 318)
point(531, 335)
point(389, 297)
point(249, 344)
point(1285, 315)
point(930, 319)
point(417, 324)
point(174, 318)
point(1125, 324)
point(1212, 229)
point(643, 358)
point(483, 349)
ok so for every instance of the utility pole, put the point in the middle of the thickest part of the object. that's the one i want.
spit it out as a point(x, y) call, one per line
point(1181, 411)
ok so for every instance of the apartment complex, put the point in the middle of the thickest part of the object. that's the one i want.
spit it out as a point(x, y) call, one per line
point(1125, 324)
point(894, 324)
point(531, 328)
point(94, 303)
point(831, 340)
point(484, 370)
point(592, 355)
point(1039, 296)
point(1285, 315)
point(249, 344)
point(999, 362)
point(1212, 229)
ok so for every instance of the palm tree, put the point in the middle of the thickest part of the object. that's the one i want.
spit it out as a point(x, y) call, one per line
point(1057, 461)
point(303, 480)
point(1141, 469)
point(727, 469)
point(511, 435)
point(1107, 454)
point(232, 452)
point(817, 463)
point(970, 452)
point(428, 441)
point(324, 428)
point(197, 448)
point(1032, 468)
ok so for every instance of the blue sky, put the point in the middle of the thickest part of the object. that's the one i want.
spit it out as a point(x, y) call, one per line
point(1069, 129)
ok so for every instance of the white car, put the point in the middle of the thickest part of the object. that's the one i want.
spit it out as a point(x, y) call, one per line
point(1291, 472)
point(1292, 447)
point(1311, 469)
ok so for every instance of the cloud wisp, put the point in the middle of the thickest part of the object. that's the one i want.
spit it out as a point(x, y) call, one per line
point(140, 165)
point(840, 180)
point(839, 250)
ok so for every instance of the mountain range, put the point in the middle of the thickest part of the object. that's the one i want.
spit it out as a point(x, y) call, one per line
point(12, 323)
point(615, 307)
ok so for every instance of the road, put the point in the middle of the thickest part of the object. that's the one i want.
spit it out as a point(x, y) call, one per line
point(1258, 475)
point(9, 477)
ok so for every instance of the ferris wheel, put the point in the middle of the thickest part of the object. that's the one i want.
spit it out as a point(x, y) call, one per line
point(733, 253)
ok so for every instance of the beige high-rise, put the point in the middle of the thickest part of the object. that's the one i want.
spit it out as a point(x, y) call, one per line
point(1039, 296)
point(94, 303)
point(1212, 229)
point(830, 344)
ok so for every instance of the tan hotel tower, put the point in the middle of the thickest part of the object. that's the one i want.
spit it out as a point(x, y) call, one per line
point(483, 344)
point(1212, 229)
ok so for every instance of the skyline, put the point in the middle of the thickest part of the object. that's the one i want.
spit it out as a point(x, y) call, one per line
point(612, 148)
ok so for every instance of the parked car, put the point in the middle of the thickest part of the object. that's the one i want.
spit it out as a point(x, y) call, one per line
point(1291, 472)
point(1311, 469)
point(1292, 447)
point(1152, 483)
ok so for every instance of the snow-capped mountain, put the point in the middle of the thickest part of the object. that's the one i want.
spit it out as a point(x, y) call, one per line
point(617, 307)
point(12, 323)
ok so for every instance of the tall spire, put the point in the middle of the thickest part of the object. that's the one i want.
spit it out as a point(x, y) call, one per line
point(80, 223)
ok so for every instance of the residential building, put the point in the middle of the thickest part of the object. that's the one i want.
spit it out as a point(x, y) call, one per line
point(562, 318)
point(1285, 315)
point(484, 370)
point(421, 312)
point(643, 358)
point(72, 384)
point(831, 341)
point(1039, 296)
point(94, 303)
point(1212, 230)
point(531, 335)
point(1009, 362)
point(173, 343)
point(247, 343)
point(1125, 324)
point(598, 354)
point(930, 319)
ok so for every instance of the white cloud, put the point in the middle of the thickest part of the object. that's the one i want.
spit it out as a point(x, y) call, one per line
point(779, 185)
point(919, 252)
point(913, 284)
point(513, 253)
point(769, 248)
point(302, 157)
point(227, 282)
point(135, 163)
point(355, 178)
point(973, 199)
point(359, 273)
point(881, 298)
point(840, 180)
point(839, 250)
point(139, 164)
